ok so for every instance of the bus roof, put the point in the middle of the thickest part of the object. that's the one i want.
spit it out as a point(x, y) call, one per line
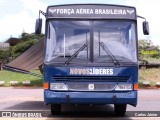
point(91, 11)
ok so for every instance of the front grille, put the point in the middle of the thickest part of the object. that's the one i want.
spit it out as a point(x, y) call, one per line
point(92, 78)
point(85, 87)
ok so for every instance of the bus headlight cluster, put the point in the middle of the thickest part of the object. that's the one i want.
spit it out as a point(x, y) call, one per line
point(58, 86)
point(123, 87)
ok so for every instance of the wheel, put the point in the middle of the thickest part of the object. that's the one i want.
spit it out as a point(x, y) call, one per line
point(120, 109)
point(55, 109)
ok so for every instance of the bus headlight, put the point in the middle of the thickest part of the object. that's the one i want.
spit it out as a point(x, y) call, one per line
point(58, 86)
point(123, 87)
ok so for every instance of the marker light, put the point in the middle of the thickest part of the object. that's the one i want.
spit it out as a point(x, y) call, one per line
point(58, 86)
point(45, 86)
point(136, 86)
point(123, 87)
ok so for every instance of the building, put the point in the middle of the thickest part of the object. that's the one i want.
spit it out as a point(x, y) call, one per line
point(3, 46)
point(12, 41)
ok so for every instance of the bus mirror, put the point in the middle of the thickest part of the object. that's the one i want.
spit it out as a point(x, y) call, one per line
point(145, 28)
point(38, 26)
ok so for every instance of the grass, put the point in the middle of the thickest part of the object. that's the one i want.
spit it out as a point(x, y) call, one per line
point(152, 74)
point(8, 76)
point(140, 83)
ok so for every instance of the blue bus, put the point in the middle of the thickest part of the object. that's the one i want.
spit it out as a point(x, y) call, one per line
point(91, 55)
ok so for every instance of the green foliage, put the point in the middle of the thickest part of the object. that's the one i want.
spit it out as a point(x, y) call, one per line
point(144, 45)
point(26, 41)
point(21, 47)
point(157, 56)
point(5, 55)
point(27, 37)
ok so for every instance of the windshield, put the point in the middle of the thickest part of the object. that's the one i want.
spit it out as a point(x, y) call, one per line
point(65, 40)
point(118, 37)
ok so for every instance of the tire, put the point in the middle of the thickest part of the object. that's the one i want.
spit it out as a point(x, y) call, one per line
point(55, 109)
point(120, 109)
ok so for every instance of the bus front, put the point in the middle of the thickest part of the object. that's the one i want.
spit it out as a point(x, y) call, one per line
point(91, 56)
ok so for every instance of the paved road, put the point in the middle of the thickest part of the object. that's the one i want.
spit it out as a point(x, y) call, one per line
point(32, 99)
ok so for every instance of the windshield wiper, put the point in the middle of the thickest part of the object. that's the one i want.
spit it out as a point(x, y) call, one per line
point(116, 63)
point(75, 54)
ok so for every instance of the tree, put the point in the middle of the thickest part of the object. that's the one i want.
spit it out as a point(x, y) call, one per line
point(5, 55)
point(26, 41)
point(147, 50)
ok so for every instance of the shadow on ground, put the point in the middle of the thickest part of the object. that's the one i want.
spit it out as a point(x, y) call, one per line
point(69, 111)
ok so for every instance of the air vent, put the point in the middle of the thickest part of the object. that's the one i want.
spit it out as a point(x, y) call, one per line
point(92, 78)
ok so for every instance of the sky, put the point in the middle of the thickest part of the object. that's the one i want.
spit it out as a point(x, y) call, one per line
point(17, 16)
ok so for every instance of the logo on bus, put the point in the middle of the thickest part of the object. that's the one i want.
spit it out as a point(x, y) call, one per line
point(90, 71)
point(130, 11)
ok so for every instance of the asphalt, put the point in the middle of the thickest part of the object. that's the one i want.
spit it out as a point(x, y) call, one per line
point(31, 99)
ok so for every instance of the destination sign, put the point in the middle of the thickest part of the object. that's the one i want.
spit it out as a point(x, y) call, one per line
point(91, 12)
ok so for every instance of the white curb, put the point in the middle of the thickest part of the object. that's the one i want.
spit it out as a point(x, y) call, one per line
point(13, 83)
point(146, 83)
point(27, 82)
point(158, 84)
point(1, 83)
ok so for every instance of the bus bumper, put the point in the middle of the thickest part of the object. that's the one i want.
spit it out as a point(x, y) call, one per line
point(52, 97)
